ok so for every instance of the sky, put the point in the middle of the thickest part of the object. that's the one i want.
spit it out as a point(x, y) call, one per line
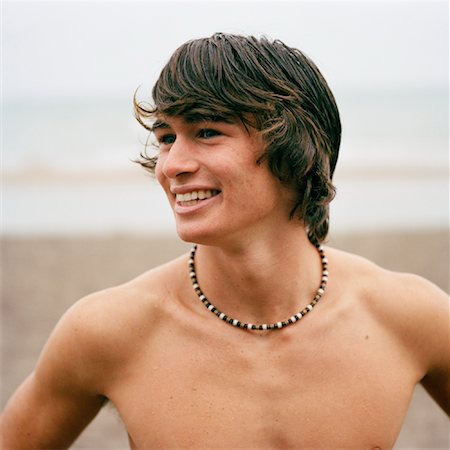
point(67, 49)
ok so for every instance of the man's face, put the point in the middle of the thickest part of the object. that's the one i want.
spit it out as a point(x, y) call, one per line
point(216, 189)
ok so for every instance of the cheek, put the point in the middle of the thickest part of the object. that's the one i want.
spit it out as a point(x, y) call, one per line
point(158, 171)
point(270, 194)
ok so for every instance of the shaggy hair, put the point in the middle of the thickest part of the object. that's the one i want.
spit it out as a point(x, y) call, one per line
point(271, 87)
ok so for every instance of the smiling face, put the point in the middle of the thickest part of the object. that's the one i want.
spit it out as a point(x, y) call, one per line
point(217, 190)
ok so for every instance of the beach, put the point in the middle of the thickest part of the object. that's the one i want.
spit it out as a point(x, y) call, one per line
point(43, 276)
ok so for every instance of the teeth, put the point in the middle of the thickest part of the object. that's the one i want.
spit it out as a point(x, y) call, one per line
point(195, 195)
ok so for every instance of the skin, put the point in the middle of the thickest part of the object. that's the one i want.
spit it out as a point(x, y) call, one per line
point(181, 378)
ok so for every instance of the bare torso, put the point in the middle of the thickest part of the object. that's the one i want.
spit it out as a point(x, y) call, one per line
point(341, 377)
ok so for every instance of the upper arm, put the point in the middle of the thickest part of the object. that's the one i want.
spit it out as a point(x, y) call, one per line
point(420, 312)
point(38, 416)
point(416, 314)
point(436, 338)
point(62, 395)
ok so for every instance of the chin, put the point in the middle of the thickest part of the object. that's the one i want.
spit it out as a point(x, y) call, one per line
point(199, 235)
point(195, 237)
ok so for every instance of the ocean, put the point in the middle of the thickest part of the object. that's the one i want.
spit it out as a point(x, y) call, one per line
point(67, 166)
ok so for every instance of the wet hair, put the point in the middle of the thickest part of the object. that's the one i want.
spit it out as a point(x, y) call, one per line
point(267, 85)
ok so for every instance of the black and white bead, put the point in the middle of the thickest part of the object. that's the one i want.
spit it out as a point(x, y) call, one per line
point(264, 326)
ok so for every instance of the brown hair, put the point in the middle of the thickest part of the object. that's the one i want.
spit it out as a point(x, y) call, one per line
point(272, 87)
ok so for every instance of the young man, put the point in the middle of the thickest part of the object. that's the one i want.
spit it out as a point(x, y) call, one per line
point(260, 338)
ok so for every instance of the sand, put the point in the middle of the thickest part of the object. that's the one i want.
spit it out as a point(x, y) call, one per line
point(42, 277)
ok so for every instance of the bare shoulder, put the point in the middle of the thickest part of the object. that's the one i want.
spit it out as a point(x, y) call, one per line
point(414, 310)
point(399, 295)
point(371, 274)
point(87, 349)
point(103, 329)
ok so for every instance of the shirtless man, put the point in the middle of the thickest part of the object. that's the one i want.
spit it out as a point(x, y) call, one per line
point(248, 135)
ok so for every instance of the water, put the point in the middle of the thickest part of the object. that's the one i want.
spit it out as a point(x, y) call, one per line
point(67, 166)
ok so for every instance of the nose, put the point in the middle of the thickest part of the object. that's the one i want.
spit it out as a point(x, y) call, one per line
point(179, 159)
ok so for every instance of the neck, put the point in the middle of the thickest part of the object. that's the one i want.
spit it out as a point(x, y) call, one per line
point(260, 282)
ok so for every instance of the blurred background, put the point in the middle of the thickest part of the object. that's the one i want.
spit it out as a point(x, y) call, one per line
point(78, 215)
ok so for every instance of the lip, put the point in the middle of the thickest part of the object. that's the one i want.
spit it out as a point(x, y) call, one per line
point(184, 210)
point(190, 188)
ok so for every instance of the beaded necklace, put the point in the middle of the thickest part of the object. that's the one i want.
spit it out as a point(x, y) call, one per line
point(264, 326)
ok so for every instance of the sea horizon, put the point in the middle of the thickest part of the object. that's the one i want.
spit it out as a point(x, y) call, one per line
point(67, 166)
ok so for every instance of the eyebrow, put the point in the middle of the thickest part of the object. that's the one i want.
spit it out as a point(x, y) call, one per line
point(193, 119)
point(159, 124)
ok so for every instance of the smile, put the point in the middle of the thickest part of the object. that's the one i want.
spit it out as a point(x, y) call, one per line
point(195, 197)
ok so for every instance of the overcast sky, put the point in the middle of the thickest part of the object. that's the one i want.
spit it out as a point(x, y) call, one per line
point(109, 48)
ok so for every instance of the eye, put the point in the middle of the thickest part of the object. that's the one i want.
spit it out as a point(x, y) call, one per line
point(207, 133)
point(166, 139)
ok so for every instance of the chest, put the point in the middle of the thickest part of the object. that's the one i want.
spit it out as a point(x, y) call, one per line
point(344, 391)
